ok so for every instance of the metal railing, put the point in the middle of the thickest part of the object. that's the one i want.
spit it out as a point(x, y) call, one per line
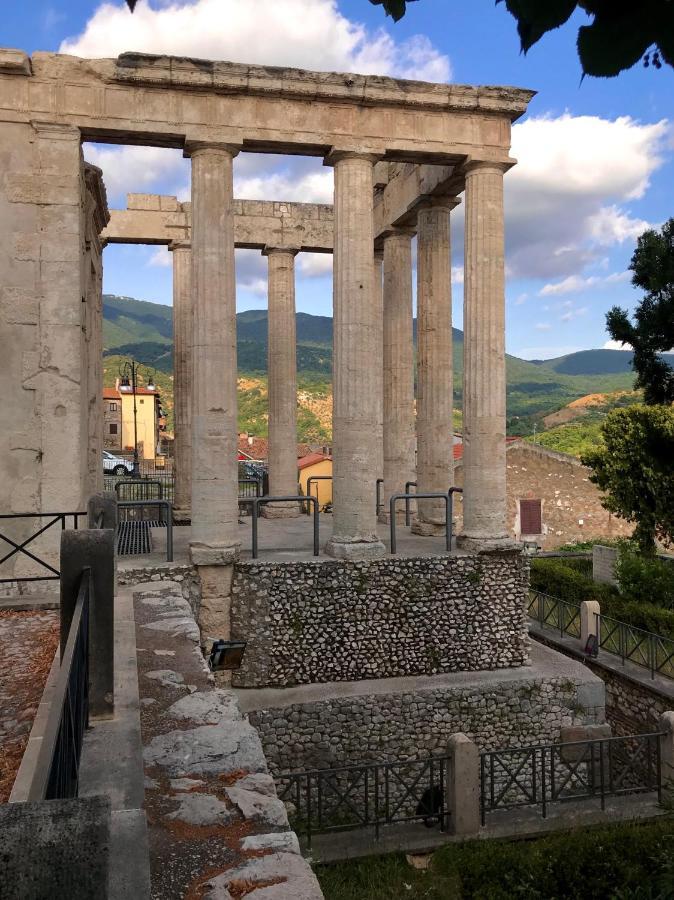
point(139, 489)
point(258, 502)
point(408, 508)
point(553, 612)
point(55, 519)
point(310, 481)
point(250, 487)
point(58, 762)
point(366, 796)
point(166, 479)
point(166, 520)
point(580, 770)
point(431, 495)
point(636, 645)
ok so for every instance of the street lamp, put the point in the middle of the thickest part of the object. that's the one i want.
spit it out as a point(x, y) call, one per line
point(128, 373)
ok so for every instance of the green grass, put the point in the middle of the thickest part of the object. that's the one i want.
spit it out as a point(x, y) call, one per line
point(621, 862)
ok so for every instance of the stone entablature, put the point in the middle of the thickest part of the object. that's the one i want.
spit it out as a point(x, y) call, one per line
point(343, 621)
point(157, 219)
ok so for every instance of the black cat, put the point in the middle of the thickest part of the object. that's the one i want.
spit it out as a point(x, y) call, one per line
point(430, 806)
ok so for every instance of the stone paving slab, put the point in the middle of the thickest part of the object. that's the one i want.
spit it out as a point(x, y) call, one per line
point(28, 642)
point(216, 827)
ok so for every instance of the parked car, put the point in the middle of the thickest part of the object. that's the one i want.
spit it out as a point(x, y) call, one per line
point(115, 465)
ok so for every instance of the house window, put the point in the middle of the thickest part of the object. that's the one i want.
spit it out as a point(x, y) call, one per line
point(113, 407)
point(531, 519)
point(113, 429)
point(141, 400)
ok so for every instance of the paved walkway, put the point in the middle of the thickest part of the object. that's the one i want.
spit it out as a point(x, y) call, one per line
point(28, 641)
point(216, 828)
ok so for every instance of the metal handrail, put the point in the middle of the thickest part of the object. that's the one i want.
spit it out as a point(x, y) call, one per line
point(145, 482)
point(431, 495)
point(378, 502)
point(21, 548)
point(557, 613)
point(643, 648)
point(540, 774)
point(166, 504)
point(408, 514)
point(311, 479)
point(57, 766)
point(257, 502)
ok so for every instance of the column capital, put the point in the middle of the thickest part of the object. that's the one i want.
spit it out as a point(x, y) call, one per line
point(269, 250)
point(379, 254)
point(428, 201)
point(56, 130)
point(366, 153)
point(192, 148)
point(471, 166)
point(406, 232)
point(180, 245)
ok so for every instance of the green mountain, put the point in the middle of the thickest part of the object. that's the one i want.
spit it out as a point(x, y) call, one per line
point(144, 330)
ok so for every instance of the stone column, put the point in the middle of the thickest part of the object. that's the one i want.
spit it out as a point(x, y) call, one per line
point(282, 381)
point(435, 458)
point(182, 378)
point(398, 355)
point(379, 382)
point(484, 463)
point(214, 539)
point(356, 358)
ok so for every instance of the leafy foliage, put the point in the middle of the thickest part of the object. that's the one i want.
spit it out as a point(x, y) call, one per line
point(653, 332)
point(574, 439)
point(646, 576)
point(634, 469)
point(621, 32)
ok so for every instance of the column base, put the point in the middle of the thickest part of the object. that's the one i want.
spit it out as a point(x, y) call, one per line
point(428, 529)
point(356, 550)
point(473, 544)
point(384, 517)
point(202, 554)
point(278, 511)
point(182, 516)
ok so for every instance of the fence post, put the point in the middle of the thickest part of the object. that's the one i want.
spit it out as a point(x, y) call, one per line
point(104, 503)
point(589, 612)
point(94, 548)
point(666, 724)
point(463, 785)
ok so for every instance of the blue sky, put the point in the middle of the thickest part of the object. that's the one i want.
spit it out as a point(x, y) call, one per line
point(596, 157)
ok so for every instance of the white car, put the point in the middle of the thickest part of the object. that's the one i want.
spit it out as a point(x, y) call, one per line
point(115, 465)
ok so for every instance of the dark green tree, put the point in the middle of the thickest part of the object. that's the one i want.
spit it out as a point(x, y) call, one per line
point(621, 32)
point(634, 469)
point(652, 332)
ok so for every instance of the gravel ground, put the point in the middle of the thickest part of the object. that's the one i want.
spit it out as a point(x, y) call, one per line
point(28, 641)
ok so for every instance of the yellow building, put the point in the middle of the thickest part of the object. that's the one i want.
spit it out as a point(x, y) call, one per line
point(148, 413)
point(310, 466)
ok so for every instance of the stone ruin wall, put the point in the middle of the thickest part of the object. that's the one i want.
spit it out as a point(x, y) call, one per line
point(413, 724)
point(308, 622)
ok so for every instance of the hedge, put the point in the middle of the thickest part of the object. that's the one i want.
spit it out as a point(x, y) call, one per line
point(557, 578)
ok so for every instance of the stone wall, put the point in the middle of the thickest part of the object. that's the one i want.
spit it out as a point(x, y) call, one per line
point(184, 576)
point(412, 724)
point(571, 504)
point(341, 621)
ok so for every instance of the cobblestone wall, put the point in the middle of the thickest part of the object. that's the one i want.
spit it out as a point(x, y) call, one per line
point(412, 725)
point(341, 621)
point(184, 576)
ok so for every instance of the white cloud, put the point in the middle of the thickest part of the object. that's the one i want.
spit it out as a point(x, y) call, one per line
point(251, 272)
point(542, 326)
point(314, 265)
point(308, 34)
point(565, 198)
point(161, 257)
point(141, 170)
point(576, 284)
point(304, 181)
point(616, 345)
point(544, 352)
point(457, 274)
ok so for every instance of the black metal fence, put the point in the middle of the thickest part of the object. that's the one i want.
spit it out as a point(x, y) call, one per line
point(136, 519)
point(258, 502)
point(371, 795)
point(57, 521)
point(581, 770)
point(552, 612)
point(165, 479)
point(643, 648)
point(432, 495)
point(58, 763)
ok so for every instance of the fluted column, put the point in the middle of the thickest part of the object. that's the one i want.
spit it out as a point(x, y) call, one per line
point(355, 361)
point(182, 378)
point(434, 363)
point(214, 404)
point(484, 463)
point(282, 381)
point(379, 380)
point(399, 466)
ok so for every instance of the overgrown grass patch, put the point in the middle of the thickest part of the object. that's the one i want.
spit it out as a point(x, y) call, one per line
point(620, 862)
